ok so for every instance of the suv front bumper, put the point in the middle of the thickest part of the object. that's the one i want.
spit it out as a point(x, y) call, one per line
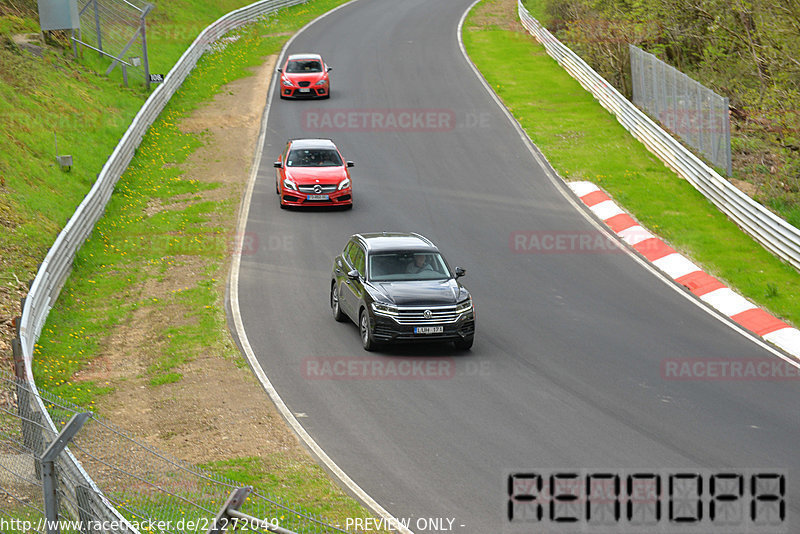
point(385, 329)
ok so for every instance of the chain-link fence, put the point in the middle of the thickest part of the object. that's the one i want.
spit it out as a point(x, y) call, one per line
point(687, 108)
point(152, 492)
point(774, 233)
point(20, 475)
point(115, 29)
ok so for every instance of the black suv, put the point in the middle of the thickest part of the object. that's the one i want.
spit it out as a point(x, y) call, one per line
point(397, 287)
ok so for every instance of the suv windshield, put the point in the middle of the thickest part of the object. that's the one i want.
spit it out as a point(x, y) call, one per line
point(314, 157)
point(308, 65)
point(404, 266)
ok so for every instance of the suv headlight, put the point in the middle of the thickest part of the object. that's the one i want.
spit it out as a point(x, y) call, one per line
point(384, 309)
point(288, 184)
point(464, 306)
point(344, 184)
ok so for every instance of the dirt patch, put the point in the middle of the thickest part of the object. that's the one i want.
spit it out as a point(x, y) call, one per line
point(12, 290)
point(216, 410)
point(499, 13)
point(747, 188)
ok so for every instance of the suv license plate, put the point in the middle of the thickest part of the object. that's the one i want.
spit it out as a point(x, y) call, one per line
point(318, 197)
point(428, 329)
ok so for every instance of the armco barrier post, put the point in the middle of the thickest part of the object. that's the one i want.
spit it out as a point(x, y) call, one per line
point(234, 502)
point(229, 515)
point(86, 499)
point(19, 359)
point(31, 420)
point(49, 482)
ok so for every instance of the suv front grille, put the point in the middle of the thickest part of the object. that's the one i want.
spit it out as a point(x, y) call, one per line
point(416, 315)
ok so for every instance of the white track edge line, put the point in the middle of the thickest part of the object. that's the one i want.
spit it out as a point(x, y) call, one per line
point(563, 189)
point(233, 289)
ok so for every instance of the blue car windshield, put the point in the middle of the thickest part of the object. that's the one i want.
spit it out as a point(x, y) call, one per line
point(407, 266)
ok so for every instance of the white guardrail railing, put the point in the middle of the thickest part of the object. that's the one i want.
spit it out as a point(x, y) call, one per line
point(775, 234)
point(57, 264)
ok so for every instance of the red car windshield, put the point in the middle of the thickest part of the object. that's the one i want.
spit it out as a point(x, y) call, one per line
point(304, 65)
point(316, 157)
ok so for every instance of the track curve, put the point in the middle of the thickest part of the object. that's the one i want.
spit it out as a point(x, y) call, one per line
point(566, 368)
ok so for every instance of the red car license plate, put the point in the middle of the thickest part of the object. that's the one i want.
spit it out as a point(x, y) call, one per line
point(318, 197)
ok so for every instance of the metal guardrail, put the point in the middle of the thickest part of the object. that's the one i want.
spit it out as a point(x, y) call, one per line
point(774, 234)
point(57, 264)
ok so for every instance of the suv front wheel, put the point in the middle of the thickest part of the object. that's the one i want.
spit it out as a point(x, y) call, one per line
point(335, 306)
point(367, 340)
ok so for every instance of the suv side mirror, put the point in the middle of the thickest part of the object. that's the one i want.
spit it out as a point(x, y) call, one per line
point(353, 275)
point(460, 272)
point(277, 164)
point(351, 164)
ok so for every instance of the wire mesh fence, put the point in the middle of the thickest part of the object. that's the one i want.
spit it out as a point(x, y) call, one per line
point(687, 108)
point(774, 233)
point(151, 491)
point(20, 489)
point(115, 28)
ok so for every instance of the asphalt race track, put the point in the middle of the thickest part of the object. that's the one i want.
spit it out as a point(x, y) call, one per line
point(567, 371)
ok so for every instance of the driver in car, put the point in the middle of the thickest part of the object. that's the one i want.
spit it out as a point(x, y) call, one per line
point(419, 264)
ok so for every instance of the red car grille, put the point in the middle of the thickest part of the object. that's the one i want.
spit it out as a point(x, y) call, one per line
point(323, 188)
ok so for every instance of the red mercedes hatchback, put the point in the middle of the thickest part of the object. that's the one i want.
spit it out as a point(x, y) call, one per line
point(311, 172)
point(305, 76)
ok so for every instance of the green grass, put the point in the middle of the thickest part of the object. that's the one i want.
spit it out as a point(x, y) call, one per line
point(60, 96)
point(294, 481)
point(277, 477)
point(128, 247)
point(537, 10)
point(133, 244)
point(584, 142)
point(38, 103)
